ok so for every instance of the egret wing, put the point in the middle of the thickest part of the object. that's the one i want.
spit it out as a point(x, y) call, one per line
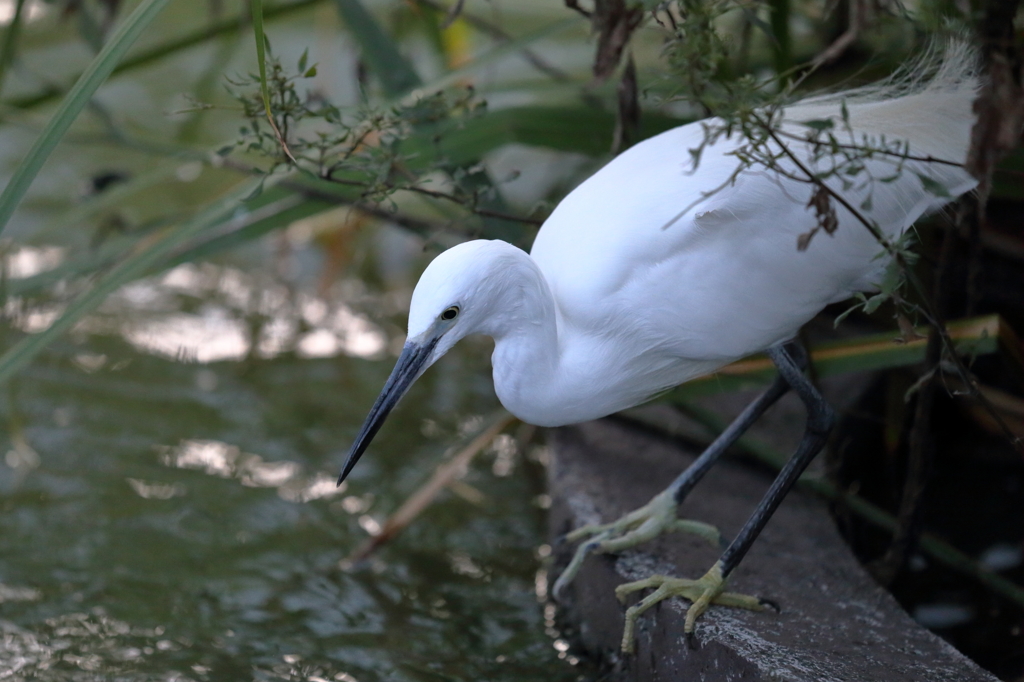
point(706, 261)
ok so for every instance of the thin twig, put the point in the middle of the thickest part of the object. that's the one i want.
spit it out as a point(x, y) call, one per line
point(920, 444)
point(859, 148)
point(857, 21)
point(280, 139)
point(434, 194)
point(912, 279)
point(452, 15)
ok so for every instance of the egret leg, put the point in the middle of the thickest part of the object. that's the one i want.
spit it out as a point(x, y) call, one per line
point(686, 481)
point(659, 515)
point(709, 589)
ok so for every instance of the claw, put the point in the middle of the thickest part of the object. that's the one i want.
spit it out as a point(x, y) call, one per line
point(577, 562)
point(707, 590)
point(640, 525)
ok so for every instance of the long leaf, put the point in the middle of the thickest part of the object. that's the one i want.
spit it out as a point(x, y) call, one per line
point(273, 209)
point(256, 7)
point(976, 336)
point(380, 53)
point(132, 268)
point(77, 98)
point(285, 213)
point(86, 261)
point(585, 130)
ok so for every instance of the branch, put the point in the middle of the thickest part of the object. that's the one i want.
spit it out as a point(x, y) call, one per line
point(870, 150)
point(925, 306)
point(466, 204)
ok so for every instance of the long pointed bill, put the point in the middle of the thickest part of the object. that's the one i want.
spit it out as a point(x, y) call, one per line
point(410, 365)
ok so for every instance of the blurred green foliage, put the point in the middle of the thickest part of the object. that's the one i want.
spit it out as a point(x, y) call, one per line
point(432, 94)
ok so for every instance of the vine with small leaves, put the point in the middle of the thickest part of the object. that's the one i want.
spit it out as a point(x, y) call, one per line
point(840, 162)
point(361, 147)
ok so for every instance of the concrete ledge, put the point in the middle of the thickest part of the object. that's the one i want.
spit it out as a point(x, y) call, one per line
point(835, 624)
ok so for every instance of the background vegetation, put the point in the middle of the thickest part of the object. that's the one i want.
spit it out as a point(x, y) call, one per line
point(208, 243)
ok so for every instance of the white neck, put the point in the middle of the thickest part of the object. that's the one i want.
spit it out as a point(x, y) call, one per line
point(525, 328)
point(548, 369)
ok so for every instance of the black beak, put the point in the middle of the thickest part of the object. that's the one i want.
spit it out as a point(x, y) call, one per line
point(410, 365)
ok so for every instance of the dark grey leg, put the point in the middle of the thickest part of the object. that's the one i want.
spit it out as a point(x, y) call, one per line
point(820, 420)
point(709, 589)
point(659, 515)
point(686, 481)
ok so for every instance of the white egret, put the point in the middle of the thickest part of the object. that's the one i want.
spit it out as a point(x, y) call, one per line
point(654, 271)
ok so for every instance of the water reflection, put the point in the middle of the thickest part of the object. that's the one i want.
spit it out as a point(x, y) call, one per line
point(27, 261)
point(239, 314)
point(155, 491)
point(310, 325)
point(217, 556)
point(228, 461)
point(77, 643)
point(33, 10)
point(10, 593)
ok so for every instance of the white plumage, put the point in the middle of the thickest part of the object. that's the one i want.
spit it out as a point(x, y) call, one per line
point(653, 272)
point(622, 297)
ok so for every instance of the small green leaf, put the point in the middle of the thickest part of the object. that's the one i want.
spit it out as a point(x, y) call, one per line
point(820, 124)
point(846, 313)
point(256, 191)
point(873, 303)
point(310, 72)
point(933, 186)
point(303, 59)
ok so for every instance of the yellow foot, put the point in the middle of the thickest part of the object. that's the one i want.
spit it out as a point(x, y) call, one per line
point(640, 525)
point(703, 592)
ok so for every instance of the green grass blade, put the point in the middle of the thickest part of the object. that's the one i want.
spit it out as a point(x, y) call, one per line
point(86, 262)
point(585, 130)
point(286, 212)
point(381, 54)
point(256, 7)
point(782, 45)
point(274, 209)
point(21, 353)
point(975, 336)
point(77, 98)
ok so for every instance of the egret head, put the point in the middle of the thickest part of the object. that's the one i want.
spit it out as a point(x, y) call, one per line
point(459, 293)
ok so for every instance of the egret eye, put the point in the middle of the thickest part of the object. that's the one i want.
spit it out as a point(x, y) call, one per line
point(450, 313)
